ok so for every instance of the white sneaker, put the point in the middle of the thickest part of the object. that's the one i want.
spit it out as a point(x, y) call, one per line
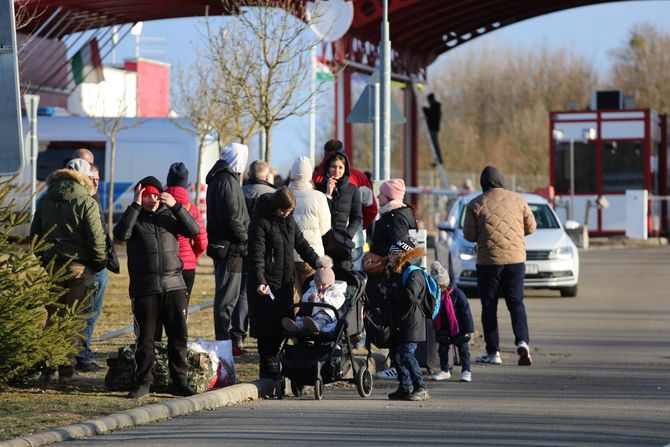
point(466, 376)
point(493, 359)
point(524, 354)
point(442, 375)
point(387, 374)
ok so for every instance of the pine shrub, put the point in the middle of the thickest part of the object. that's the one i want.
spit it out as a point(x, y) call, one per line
point(26, 288)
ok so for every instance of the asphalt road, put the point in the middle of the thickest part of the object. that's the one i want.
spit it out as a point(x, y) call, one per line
point(601, 377)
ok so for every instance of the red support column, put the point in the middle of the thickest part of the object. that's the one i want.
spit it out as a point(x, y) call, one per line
point(348, 131)
point(663, 172)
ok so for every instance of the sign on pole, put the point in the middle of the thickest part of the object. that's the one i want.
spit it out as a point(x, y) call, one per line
point(11, 142)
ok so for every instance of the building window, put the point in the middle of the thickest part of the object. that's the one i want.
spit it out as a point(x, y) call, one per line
point(585, 167)
point(622, 166)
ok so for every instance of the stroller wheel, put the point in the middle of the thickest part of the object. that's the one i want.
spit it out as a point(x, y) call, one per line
point(280, 388)
point(364, 382)
point(318, 389)
point(297, 390)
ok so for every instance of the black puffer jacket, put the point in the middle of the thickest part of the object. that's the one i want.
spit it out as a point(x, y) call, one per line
point(407, 318)
point(227, 215)
point(391, 227)
point(272, 240)
point(154, 265)
point(345, 206)
point(271, 247)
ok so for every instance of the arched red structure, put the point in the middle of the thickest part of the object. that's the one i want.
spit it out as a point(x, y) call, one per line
point(421, 30)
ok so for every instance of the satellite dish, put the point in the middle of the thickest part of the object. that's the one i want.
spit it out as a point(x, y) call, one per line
point(330, 19)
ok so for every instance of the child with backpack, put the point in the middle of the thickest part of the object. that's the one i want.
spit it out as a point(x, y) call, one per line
point(406, 291)
point(453, 325)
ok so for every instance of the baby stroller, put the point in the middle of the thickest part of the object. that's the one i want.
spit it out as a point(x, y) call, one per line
point(320, 359)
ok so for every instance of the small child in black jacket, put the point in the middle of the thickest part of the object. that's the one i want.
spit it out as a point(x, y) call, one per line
point(453, 325)
point(408, 322)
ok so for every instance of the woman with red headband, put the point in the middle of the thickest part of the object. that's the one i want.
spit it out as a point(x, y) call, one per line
point(150, 225)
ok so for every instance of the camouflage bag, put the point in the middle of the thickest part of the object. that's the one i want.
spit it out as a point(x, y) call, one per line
point(121, 373)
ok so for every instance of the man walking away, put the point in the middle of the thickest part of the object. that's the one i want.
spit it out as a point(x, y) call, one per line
point(498, 220)
point(227, 231)
point(256, 186)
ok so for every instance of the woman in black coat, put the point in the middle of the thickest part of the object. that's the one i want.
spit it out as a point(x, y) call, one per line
point(150, 226)
point(273, 236)
point(344, 199)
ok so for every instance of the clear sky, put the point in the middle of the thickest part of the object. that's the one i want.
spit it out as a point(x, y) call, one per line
point(591, 30)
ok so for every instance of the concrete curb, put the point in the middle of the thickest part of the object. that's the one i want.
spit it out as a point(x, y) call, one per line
point(148, 414)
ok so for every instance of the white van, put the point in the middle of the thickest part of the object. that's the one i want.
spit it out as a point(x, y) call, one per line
point(148, 149)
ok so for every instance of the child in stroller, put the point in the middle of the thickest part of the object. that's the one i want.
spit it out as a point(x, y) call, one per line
point(323, 357)
point(324, 289)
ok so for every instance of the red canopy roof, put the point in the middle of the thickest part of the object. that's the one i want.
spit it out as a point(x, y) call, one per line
point(424, 28)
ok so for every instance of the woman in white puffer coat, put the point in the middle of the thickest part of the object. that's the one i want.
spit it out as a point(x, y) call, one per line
point(311, 214)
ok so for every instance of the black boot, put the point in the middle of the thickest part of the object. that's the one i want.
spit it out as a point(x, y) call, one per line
point(182, 388)
point(140, 392)
point(269, 368)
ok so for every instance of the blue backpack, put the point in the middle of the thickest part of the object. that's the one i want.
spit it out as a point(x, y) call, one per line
point(430, 302)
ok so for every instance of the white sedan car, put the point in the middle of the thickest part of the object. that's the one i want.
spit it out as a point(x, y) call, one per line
point(552, 259)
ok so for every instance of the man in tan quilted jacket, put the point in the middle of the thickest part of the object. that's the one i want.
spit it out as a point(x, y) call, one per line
point(498, 220)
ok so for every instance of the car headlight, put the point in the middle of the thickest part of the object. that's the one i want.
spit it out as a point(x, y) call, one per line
point(467, 253)
point(561, 253)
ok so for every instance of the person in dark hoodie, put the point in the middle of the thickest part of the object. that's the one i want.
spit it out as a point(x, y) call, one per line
point(68, 218)
point(407, 319)
point(498, 220)
point(344, 199)
point(150, 225)
point(227, 231)
point(273, 237)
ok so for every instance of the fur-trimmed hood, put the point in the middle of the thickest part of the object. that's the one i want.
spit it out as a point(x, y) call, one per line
point(66, 184)
point(406, 258)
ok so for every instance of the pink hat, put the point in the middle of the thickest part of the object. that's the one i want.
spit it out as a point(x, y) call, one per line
point(394, 189)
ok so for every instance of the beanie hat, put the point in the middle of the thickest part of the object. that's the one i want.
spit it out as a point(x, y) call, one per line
point(333, 145)
point(324, 276)
point(301, 171)
point(282, 199)
point(440, 274)
point(394, 189)
point(491, 178)
point(177, 175)
point(80, 165)
point(151, 185)
point(402, 246)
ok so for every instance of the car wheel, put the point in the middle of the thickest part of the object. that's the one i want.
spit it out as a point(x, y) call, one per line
point(569, 291)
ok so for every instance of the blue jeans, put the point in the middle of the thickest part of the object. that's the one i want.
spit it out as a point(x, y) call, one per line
point(409, 371)
point(508, 280)
point(100, 280)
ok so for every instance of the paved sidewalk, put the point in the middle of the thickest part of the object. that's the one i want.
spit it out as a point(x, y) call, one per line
point(603, 243)
point(148, 414)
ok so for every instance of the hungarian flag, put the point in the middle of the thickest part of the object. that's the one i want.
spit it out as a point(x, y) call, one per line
point(323, 70)
point(86, 64)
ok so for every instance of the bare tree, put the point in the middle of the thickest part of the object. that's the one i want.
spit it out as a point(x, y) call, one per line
point(496, 104)
point(641, 67)
point(24, 15)
point(110, 126)
point(263, 54)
